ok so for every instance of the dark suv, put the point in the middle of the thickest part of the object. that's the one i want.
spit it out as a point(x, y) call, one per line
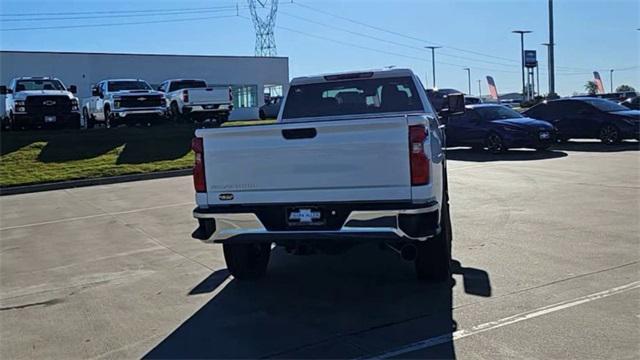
point(589, 118)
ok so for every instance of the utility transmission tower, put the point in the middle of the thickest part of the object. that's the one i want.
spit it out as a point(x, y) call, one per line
point(265, 39)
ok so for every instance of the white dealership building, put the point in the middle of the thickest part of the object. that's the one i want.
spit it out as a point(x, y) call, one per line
point(249, 76)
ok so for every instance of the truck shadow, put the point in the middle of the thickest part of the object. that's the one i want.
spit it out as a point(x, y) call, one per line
point(356, 304)
point(597, 146)
point(466, 154)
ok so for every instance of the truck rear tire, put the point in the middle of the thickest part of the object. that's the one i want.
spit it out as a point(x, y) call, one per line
point(433, 256)
point(247, 261)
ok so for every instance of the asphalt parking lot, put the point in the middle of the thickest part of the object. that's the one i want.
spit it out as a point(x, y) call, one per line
point(546, 249)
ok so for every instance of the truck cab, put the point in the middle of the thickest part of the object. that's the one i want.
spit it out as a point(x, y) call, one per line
point(40, 102)
point(123, 101)
point(354, 158)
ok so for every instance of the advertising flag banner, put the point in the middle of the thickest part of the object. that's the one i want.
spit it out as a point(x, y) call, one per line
point(493, 90)
point(598, 81)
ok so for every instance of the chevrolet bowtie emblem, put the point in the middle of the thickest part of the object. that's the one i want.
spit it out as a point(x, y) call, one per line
point(141, 99)
point(48, 103)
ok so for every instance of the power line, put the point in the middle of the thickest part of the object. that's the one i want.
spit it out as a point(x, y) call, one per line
point(399, 34)
point(421, 40)
point(117, 24)
point(349, 44)
point(231, 7)
point(421, 49)
point(122, 15)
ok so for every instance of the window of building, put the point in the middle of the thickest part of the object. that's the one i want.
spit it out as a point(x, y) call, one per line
point(245, 96)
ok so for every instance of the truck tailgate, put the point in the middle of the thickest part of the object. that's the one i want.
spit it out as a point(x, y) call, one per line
point(340, 160)
point(216, 95)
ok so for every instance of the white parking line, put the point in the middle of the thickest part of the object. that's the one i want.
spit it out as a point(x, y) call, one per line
point(95, 216)
point(459, 334)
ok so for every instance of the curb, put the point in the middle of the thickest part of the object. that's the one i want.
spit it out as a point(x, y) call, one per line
point(25, 189)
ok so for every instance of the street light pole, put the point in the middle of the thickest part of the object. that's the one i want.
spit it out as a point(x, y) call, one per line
point(548, 67)
point(433, 62)
point(469, 77)
point(538, 78)
point(611, 79)
point(522, 32)
point(479, 89)
point(552, 76)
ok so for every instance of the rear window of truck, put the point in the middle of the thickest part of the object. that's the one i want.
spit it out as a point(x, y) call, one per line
point(352, 97)
point(187, 84)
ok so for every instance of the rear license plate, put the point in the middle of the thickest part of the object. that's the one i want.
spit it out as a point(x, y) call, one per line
point(49, 119)
point(544, 135)
point(304, 216)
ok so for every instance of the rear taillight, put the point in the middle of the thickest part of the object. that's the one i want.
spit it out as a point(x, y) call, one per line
point(230, 94)
point(185, 96)
point(198, 166)
point(417, 157)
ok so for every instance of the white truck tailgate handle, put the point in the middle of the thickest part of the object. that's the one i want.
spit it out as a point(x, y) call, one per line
point(294, 134)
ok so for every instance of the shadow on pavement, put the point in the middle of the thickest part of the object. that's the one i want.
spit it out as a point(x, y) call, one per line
point(597, 146)
point(465, 154)
point(360, 303)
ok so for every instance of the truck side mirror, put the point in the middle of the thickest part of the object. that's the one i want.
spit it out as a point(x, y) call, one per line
point(95, 91)
point(3, 90)
point(455, 104)
point(73, 89)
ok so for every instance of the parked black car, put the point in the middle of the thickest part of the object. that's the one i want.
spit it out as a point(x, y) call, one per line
point(589, 118)
point(497, 128)
point(632, 103)
point(271, 108)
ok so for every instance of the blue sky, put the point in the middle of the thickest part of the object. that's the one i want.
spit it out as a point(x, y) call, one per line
point(590, 35)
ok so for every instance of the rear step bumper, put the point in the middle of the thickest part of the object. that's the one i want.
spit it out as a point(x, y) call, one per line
point(365, 221)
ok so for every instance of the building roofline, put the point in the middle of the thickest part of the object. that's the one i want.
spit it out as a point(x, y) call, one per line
point(138, 54)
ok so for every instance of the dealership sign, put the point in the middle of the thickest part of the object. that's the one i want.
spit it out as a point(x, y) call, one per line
point(530, 58)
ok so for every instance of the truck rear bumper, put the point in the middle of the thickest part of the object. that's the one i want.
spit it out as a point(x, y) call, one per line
point(391, 222)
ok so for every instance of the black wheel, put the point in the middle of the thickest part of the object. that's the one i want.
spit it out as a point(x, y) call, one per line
point(433, 256)
point(175, 112)
point(6, 123)
point(222, 119)
point(609, 134)
point(494, 144)
point(108, 117)
point(247, 261)
point(263, 116)
point(91, 123)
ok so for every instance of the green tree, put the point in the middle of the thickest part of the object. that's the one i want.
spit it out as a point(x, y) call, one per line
point(591, 87)
point(625, 88)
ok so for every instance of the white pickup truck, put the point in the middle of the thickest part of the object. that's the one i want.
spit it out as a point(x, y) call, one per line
point(40, 102)
point(354, 157)
point(123, 101)
point(196, 101)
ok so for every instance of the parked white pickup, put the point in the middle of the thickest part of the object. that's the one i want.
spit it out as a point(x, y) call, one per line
point(117, 101)
point(194, 100)
point(355, 157)
point(38, 102)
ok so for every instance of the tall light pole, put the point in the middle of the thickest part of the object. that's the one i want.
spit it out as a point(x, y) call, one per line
point(479, 89)
point(548, 67)
point(611, 78)
point(522, 32)
point(552, 76)
point(469, 77)
point(538, 78)
point(433, 62)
